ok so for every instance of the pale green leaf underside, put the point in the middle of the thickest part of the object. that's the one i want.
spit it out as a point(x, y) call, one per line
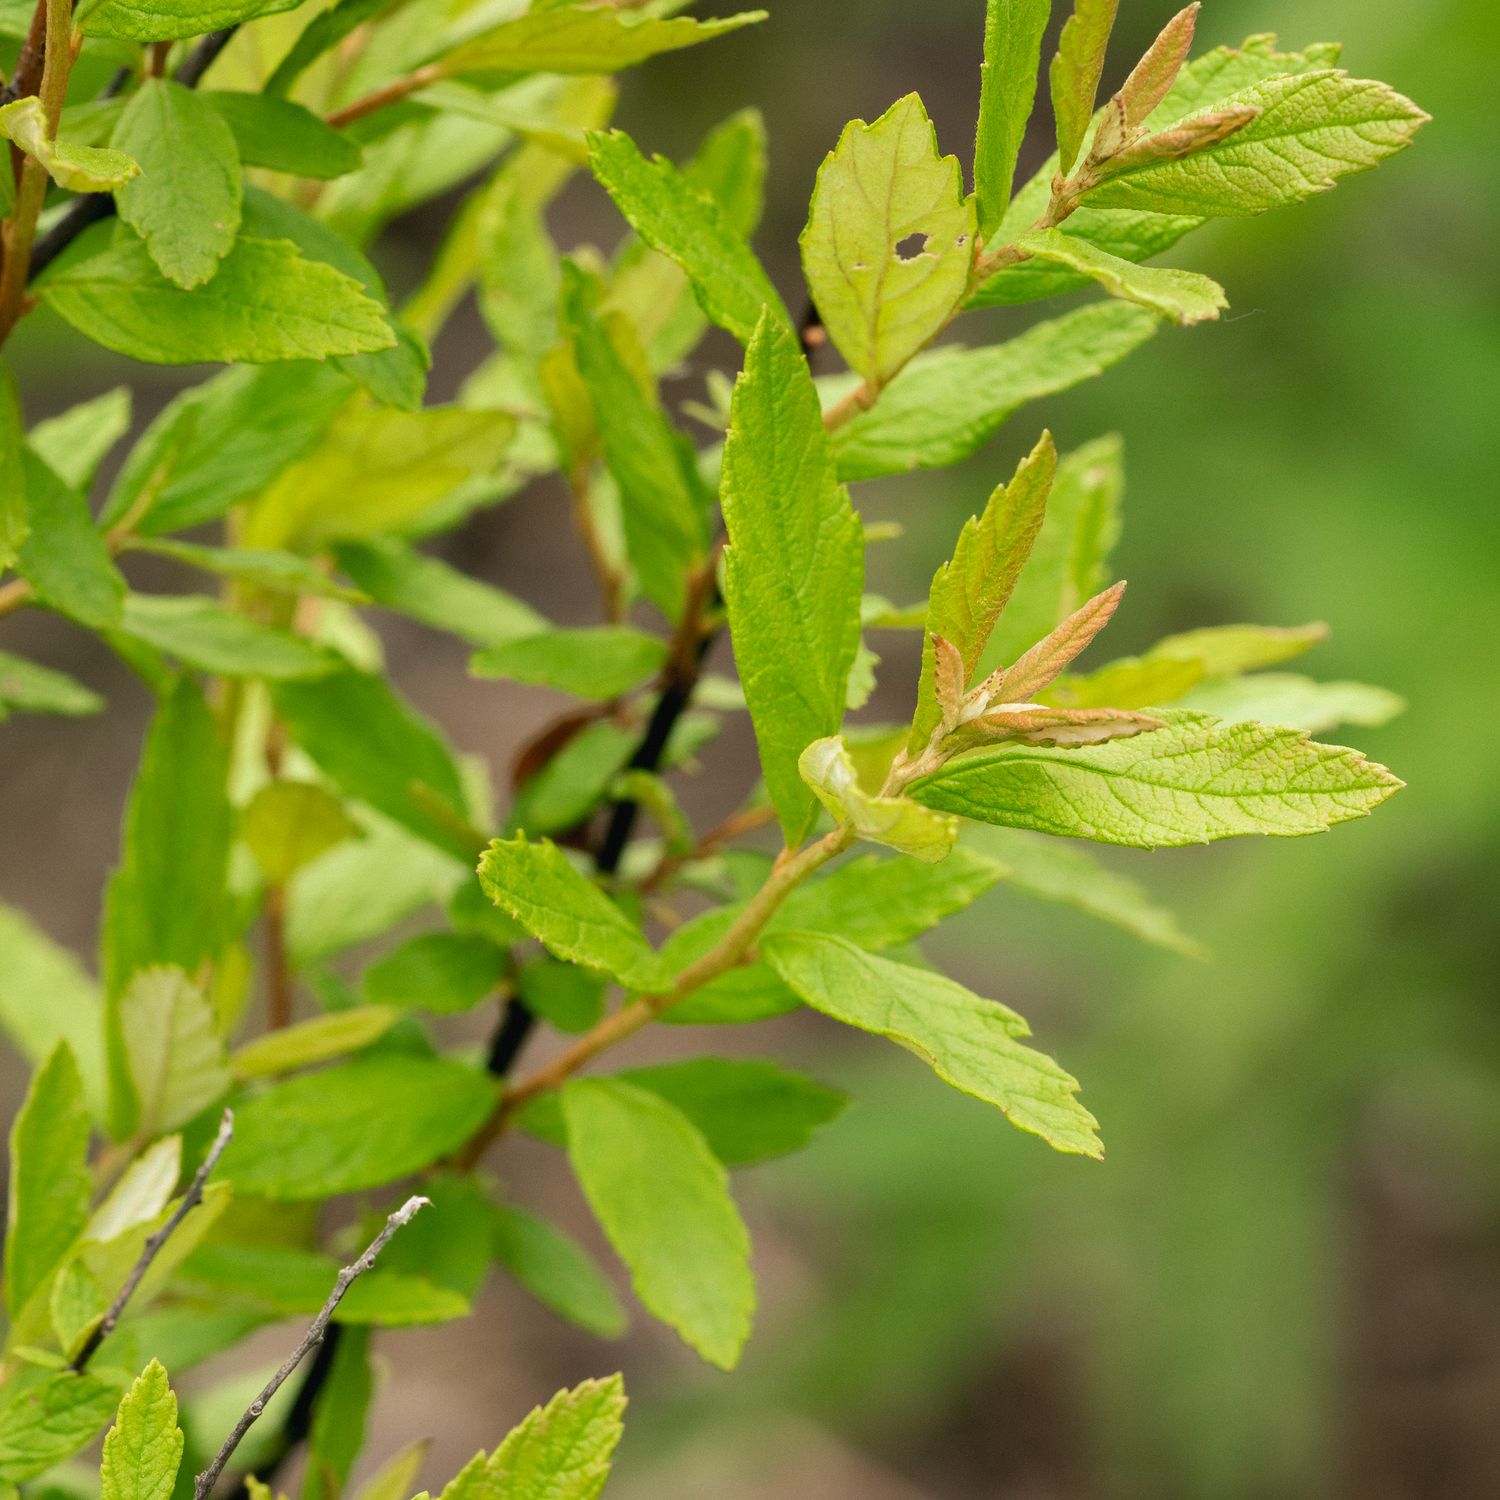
point(889, 240)
point(663, 1201)
point(1180, 296)
point(794, 566)
point(265, 303)
point(1191, 783)
point(80, 169)
point(1314, 128)
point(1295, 702)
point(893, 821)
point(972, 1043)
point(571, 917)
point(1048, 869)
point(173, 1056)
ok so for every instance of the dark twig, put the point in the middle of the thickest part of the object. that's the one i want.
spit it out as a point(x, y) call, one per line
point(152, 1248)
point(204, 1483)
point(202, 57)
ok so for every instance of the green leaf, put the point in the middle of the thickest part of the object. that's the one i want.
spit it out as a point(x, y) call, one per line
point(185, 204)
point(46, 997)
point(355, 1126)
point(1013, 31)
point(663, 1201)
point(1228, 650)
point(1071, 552)
point(747, 1110)
point(563, 995)
point(318, 1040)
point(1313, 129)
point(561, 1451)
point(275, 572)
point(50, 1184)
point(265, 303)
point(1075, 73)
point(286, 137)
point(1129, 233)
point(76, 1306)
point(793, 567)
point(1050, 870)
point(361, 889)
point(47, 1418)
point(143, 1450)
point(202, 633)
point(604, 662)
point(886, 903)
point(378, 469)
point(687, 225)
point(1179, 296)
point(13, 522)
point(80, 169)
point(557, 1271)
point(662, 499)
point(375, 747)
point(1132, 682)
point(571, 917)
point(341, 1412)
point(30, 688)
point(1190, 783)
point(971, 1043)
point(292, 1282)
point(172, 1063)
point(895, 822)
point(165, 902)
point(324, 31)
point(969, 593)
point(582, 41)
point(169, 20)
point(288, 824)
point(881, 294)
point(574, 781)
point(143, 1191)
point(945, 405)
point(430, 590)
point(446, 973)
point(1293, 702)
point(74, 443)
point(222, 442)
point(64, 557)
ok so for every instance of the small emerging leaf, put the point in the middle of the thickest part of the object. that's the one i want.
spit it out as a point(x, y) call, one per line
point(1075, 74)
point(893, 821)
point(80, 169)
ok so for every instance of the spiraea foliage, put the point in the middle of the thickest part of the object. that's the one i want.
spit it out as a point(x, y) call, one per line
point(198, 181)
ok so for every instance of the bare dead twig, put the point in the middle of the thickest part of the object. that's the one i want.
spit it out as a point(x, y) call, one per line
point(152, 1248)
point(204, 1483)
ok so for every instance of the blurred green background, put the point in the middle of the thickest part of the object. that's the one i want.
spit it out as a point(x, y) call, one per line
point(1285, 1279)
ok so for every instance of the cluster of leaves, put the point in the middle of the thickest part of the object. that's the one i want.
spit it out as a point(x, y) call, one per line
point(287, 792)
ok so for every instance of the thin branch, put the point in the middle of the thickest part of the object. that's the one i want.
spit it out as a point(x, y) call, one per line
point(152, 1248)
point(203, 56)
point(204, 1483)
point(389, 93)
